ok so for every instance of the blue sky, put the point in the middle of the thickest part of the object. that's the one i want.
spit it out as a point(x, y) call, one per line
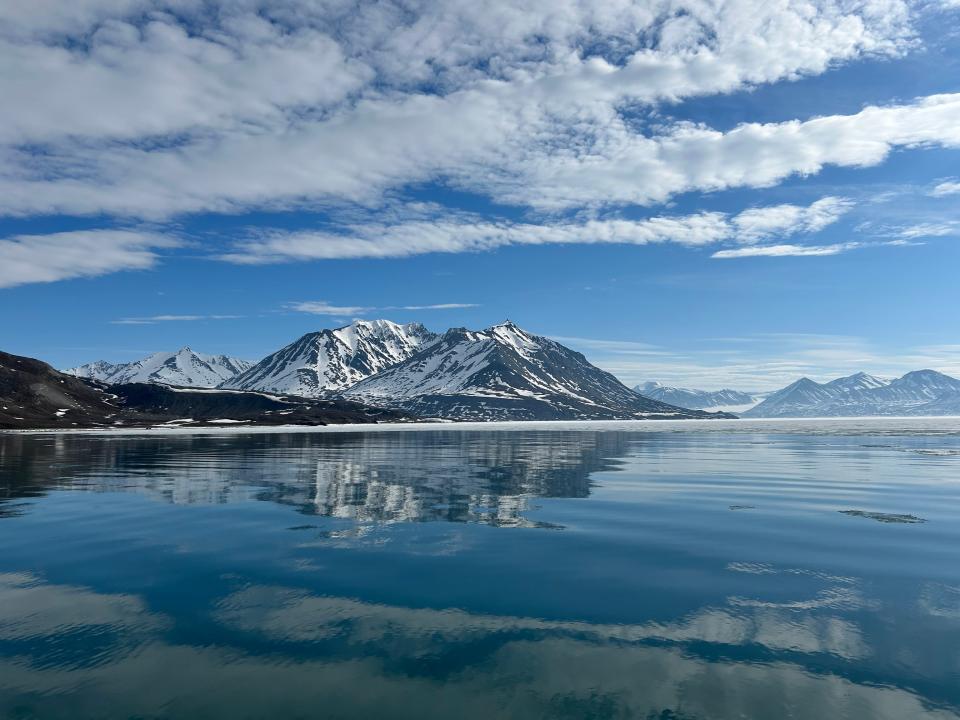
point(705, 194)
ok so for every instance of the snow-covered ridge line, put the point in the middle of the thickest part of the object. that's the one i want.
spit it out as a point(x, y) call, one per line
point(699, 399)
point(500, 373)
point(504, 373)
point(328, 361)
point(918, 393)
point(183, 367)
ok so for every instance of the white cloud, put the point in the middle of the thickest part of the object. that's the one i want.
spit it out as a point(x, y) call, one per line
point(465, 233)
point(424, 137)
point(936, 229)
point(787, 250)
point(258, 104)
point(764, 361)
point(948, 187)
point(321, 307)
point(779, 220)
point(154, 319)
point(82, 253)
point(438, 306)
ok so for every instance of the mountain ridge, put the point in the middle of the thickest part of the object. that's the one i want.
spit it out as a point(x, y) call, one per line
point(697, 399)
point(326, 361)
point(504, 373)
point(917, 393)
point(183, 367)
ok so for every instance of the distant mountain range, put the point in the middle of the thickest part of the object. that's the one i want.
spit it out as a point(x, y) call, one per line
point(506, 373)
point(500, 373)
point(730, 400)
point(919, 393)
point(183, 367)
point(922, 392)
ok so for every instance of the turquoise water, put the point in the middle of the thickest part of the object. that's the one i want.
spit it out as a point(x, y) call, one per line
point(766, 574)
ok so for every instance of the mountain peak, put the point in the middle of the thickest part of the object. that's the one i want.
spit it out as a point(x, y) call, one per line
point(507, 326)
point(925, 374)
point(506, 373)
point(329, 360)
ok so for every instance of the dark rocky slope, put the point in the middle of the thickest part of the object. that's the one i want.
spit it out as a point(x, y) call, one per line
point(33, 395)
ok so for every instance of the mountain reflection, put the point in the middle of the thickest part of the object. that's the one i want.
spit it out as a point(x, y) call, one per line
point(157, 576)
point(481, 477)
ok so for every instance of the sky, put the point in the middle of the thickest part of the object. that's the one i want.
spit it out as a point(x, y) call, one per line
point(705, 193)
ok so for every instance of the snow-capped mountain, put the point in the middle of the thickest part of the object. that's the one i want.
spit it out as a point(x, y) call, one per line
point(183, 367)
point(922, 392)
point(505, 373)
point(731, 400)
point(331, 360)
point(33, 395)
point(857, 383)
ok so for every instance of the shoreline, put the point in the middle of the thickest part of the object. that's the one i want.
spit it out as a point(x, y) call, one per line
point(698, 424)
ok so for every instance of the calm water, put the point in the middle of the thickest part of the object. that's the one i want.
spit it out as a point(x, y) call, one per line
point(769, 574)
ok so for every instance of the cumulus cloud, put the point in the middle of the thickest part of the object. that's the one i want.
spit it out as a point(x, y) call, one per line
point(158, 108)
point(82, 253)
point(421, 139)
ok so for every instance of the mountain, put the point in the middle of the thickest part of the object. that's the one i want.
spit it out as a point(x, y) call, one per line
point(505, 373)
point(922, 392)
point(34, 395)
point(330, 360)
point(857, 383)
point(732, 400)
point(184, 368)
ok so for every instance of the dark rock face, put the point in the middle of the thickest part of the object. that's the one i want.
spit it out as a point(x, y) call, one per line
point(210, 406)
point(33, 395)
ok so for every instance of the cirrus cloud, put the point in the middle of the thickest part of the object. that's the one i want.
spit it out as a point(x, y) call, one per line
point(322, 307)
point(467, 233)
point(787, 250)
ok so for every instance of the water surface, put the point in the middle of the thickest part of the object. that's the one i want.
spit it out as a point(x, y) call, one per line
point(774, 572)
